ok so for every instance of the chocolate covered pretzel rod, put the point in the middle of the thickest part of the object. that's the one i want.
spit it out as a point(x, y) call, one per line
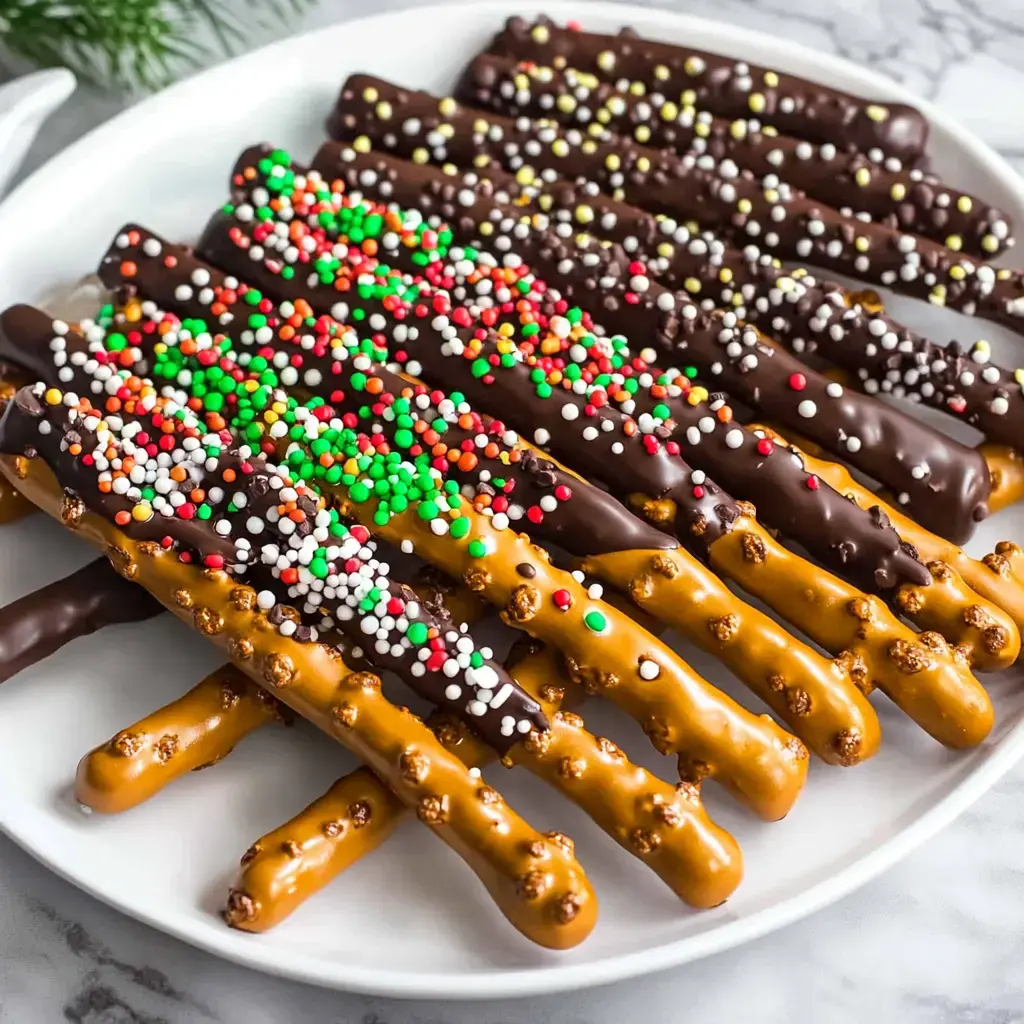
point(889, 663)
point(805, 690)
point(784, 222)
point(942, 483)
point(758, 761)
point(904, 199)
point(39, 624)
point(727, 87)
point(535, 881)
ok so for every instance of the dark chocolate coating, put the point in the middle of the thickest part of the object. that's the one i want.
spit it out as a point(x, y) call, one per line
point(19, 434)
point(41, 623)
point(859, 544)
point(793, 105)
point(949, 500)
point(784, 222)
point(900, 199)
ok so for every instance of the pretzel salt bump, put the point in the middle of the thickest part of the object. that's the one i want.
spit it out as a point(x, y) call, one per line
point(812, 696)
point(904, 198)
point(895, 651)
point(308, 676)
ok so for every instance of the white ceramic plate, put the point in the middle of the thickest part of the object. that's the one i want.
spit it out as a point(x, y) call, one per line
point(409, 920)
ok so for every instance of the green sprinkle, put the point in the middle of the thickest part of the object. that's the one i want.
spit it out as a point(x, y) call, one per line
point(477, 548)
point(460, 527)
point(595, 621)
point(417, 633)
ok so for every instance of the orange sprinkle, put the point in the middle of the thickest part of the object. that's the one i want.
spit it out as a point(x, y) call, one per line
point(128, 269)
point(229, 476)
point(467, 462)
point(375, 385)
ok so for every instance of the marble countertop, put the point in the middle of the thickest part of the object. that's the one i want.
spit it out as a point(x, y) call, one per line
point(936, 939)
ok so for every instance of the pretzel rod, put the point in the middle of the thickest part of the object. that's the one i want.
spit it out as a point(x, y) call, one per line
point(725, 86)
point(907, 200)
point(988, 639)
point(194, 731)
point(893, 682)
point(804, 689)
point(534, 881)
point(1006, 466)
point(785, 222)
point(39, 624)
point(761, 764)
point(943, 483)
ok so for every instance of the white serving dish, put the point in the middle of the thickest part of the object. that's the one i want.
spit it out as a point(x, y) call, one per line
point(408, 921)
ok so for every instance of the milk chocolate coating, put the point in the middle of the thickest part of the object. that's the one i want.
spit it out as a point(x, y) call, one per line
point(945, 484)
point(906, 200)
point(724, 86)
point(41, 623)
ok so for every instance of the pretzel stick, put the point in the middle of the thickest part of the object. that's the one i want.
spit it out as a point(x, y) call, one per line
point(192, 732)
point(534, 881)
point(909, 200)
point(941, 482)
point(725, 86)
point(995, 576)
point(39, 624)
point(787, 223)
point(1007, 468)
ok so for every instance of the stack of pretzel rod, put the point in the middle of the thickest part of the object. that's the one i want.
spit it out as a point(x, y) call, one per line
point(537, 150)
point(669, 585)
point(346, 360)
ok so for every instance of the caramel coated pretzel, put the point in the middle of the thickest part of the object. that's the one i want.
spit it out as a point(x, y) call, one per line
point(903, 199)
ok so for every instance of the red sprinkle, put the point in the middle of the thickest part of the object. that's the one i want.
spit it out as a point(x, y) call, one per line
point(766, 446)
point(562, 599)
point(813, 483)
point(798, 382)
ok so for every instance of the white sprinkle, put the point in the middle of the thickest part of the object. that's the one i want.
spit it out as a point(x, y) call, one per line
point(649, 669)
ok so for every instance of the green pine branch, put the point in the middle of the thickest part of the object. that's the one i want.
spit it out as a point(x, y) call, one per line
point(132, 43)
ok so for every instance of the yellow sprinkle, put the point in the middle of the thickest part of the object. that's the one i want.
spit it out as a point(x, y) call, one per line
point(480, 126)
point(540, 33)
point(506, 330)
point(351, 467)
point(770, 131)
point(725, 275)
point(142, 512)
point(619, 195)
point(702, 129)
point(362, 144)
point(771, 79)
point(270, 416)
point(662, 73)
point(861, 244)
point(642, 133)
point(420, 155)
point(159, 348)
point(669, 111)
point(990, 243)
point(982, 345)
point(560, 148)
point(771, 195)
point(643, 165)
point(384, 110)
point(53, 397)
point(450, 169)
point(505, 346)
point(738, 129)
point(898, 191)
point(280, 408)
point(964, 204)
point(251, 386)
point(521, 81)
point(445, 130)
point(756, 102)
point(486, 228)
point(584, 214)
point(688, 97)
point(697, 395)
point(954, 242)
point(613, 162)
point(637, 88)
point(544, 202)
point(744, 206)
point(1018, 376)
point(1004, 274)
point(957, 273)
point(606, 60)
point(525, 176)
point(876, 112)
point(862, 177)
point(446, 107)
point(693, 66)
point(666, 250)
point(937, 296)
point(692, 285)
point(595, 130)
point(588, 146)
point(370, 94)
point(603, 115)
point(737, 298)
point(133, 311)
point(481, 160)
point(566, 103)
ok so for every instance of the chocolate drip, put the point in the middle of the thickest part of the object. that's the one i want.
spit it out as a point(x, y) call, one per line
point(20, 433)
point(41, 623)
point(899, 199)
point(944, 484)
point(859, 545)
point(785, 222)
point(725, 86)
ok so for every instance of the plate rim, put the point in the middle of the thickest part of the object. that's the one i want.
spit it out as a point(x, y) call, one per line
point(247, 950)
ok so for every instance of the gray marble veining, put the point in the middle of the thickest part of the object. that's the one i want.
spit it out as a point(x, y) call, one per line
point(937, 939)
